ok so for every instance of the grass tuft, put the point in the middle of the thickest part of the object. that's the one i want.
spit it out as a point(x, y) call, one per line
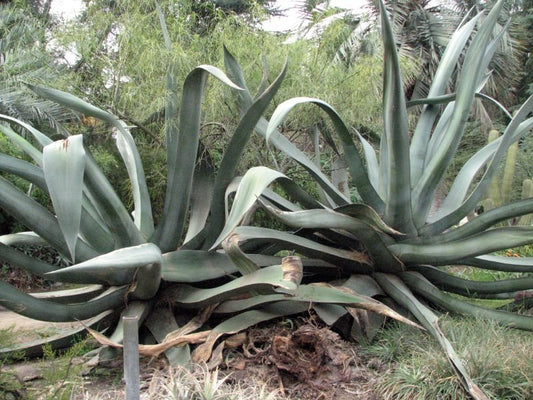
point(499, 360)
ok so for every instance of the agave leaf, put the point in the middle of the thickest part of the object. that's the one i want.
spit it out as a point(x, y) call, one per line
point(161, 322)
point(491, 152)
point(58, 341)
point(22, 144)
point(34, 216)
point(277, 139)
point(22, 239)
point(201, 198)
point(42, 139)
point(372, 164)
point(466, 287)
point(233, 154)
point(252, 185)
point(198, 265)
point(181, 159)
point(114, 268)
point(447, 65)
point(92, 228)
point(395, 169)
point(450, 252)
point(351, 261)
point(272, 278)
point(367, 215)
point(20, 260)
point(244, 264)
point(384, 260)
point(422, 286)
point(473, 198)
point(473, 67)
point(481, 222)
point(76, 295)
point(141, 197)
point(63, 167)
point(500, 263)
point(351, 154)
point(403, 296)
point(45, 310)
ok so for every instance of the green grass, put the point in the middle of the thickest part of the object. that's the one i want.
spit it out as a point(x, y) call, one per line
point(499, 360)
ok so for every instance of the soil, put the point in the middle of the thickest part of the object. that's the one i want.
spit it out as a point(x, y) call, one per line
point(307, 361)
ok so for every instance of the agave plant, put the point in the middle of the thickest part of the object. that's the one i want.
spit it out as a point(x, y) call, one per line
point(400, 240)
point(127, 265)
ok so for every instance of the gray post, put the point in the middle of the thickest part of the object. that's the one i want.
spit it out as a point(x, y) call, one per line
point(131, 357)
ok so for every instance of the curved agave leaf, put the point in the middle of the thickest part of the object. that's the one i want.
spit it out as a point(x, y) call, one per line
point(201, 198)
point(59, 341)
point(476, 163)
point(447, 65)
point(77, 295)
point(118, 267)
point(199, 265)
point(383, 259)
point(20, 260)
point(40, 137)
point(500, 263)
point(22, 239)
point(34, 216)
point(63, 167)
point(45, 310)
point(394, 287)
point(422, 286)
point(450, 252)
point(473, 198)
point(273, 278)
point(233, 153)
point(395, 169)
point(181, 157)
point(244, 264)
point(23, 169)
point(277, 139)
point(23, 144)
point(367, 215)
point(473, 67)
point(351, 153)
point(350, 261)
point(506, 288)
point(252, 185)
point(372, 164)
point(481, 222)
point(141, 197)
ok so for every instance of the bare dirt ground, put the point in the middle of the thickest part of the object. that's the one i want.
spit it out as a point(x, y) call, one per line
point(307, 362)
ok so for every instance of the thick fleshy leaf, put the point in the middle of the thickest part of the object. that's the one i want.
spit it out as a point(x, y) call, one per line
point(233, 154)
point(423, 287)
point(450, 252)
point(272, 278)
point(351, 153)
point(447, 65)
point(395, 168)
point(64, 167)
point(349, 261)
point(115, 268)
point(472, 288)
point(277, 139)
point(45, 310)
point(252, 185)
point(58, 341)
point(21, 260)
point(22, 239)
point(181, 157)
point(34, 216)
point(42, 139)
point(473, 68)
point(383, 259)
point(76, 295)
point(403, 296)
point(141, 198)
point(22, 144)
point(479, 191)
point(500, 263)
point(198, 265)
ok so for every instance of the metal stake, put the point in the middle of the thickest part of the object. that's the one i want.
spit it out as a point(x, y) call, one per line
point(131, 357)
